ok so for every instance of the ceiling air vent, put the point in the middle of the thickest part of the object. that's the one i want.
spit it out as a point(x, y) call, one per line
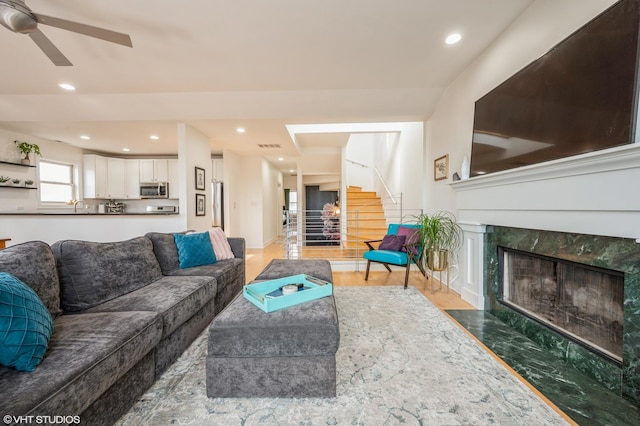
point(268, 145)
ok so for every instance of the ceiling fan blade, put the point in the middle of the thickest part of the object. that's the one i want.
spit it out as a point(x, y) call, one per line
point(76, 27)
point(49, 49)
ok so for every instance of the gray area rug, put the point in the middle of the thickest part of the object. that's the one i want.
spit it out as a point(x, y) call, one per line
point(401, 361)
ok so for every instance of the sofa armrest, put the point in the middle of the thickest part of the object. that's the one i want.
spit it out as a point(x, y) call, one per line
point(238, 247)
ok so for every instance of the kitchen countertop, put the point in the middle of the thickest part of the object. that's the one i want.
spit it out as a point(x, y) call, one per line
point(67, 213)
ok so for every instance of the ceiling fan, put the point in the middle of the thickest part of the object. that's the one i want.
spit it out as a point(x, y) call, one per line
point(18, 17)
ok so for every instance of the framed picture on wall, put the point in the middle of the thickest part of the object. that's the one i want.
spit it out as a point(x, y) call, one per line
point(201, 204)
point(200, 179)
point(441, 168)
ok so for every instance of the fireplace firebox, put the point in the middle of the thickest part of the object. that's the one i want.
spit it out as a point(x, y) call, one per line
point(582, 302)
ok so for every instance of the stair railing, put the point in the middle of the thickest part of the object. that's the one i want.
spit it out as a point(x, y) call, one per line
point(384, 184)
point(305, 236)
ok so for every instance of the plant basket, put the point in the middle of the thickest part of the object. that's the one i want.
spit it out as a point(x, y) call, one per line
point(437, 260)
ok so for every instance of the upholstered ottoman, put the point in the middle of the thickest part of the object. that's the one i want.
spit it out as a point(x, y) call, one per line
point(286, 353)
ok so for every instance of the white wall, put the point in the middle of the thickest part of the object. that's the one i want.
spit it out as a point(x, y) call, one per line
point(449, 130)
point(251, 200)
point(398, 157)
point(194, 151)
point(360, 149)
point(272, 202)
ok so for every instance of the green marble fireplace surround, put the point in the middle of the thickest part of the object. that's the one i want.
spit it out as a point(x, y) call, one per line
point(619, 254)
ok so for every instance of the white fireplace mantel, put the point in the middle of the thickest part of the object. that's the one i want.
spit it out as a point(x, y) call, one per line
point(596, 193)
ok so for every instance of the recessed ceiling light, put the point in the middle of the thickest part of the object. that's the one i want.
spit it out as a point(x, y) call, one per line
point(240, 130)
point(85, 137)
point(126, 149)
point(67, 86)
point(481, 173)
point(453, 38)
point(280, 159)
point(154, 137)
point(291, 170)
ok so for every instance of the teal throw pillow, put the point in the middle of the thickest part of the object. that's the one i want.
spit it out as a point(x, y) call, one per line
point(25, 325)
point(194, 249)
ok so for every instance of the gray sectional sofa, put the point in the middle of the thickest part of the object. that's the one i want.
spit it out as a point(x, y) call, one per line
point(123, 312)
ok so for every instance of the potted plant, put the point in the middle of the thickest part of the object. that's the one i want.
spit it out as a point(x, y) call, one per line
point(28, 182)
point(16, 182)
point(27, 148)
point(4, 180)
point(440, 234)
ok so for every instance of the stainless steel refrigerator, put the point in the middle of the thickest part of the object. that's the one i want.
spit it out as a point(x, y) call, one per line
point(217, 204)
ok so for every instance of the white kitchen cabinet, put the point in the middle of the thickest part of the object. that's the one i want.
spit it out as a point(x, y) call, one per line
point(154, 171)
point(116, 178)
point(218, 169)
point(110, 177)
point(94, 176)
point(132, 183)
point(174, 179)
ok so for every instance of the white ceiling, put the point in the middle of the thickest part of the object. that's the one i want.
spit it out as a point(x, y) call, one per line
point(218, 65)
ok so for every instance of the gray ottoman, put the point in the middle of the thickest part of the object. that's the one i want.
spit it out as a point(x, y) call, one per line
point(286, 353)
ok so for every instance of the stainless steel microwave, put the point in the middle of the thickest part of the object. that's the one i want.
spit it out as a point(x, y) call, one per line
point(154, 190)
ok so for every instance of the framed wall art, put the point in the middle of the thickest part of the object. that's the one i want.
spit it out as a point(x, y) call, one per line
point(441, 168)
point(201, 204)
point(200, 179)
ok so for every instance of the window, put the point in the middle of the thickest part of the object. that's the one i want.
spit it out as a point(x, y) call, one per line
point(293, 201)
point(57, 184)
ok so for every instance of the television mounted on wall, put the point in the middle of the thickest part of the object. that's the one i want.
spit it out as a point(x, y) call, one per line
point(579, 97)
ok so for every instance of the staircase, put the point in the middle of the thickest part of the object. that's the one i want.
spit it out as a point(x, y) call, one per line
point(365, 218)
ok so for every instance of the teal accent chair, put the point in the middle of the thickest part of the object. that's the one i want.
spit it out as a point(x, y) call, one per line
point(411, 255)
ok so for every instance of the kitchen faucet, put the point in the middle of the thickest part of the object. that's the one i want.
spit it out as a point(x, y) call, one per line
point(75, 205)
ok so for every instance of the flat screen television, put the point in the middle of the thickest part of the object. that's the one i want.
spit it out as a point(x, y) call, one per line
point(578, 97)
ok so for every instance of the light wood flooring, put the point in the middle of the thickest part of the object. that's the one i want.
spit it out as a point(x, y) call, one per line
point(257, 259)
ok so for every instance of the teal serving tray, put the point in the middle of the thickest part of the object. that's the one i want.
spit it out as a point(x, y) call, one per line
point(267, 296)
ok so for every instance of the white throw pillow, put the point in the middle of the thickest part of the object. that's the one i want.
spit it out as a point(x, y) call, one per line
point(220, 244)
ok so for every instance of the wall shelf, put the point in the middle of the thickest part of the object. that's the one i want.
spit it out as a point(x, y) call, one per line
point(16, 164)
point(18, 187)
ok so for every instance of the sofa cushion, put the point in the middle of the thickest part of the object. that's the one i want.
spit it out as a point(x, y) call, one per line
point(33, 263)
point(229, 275)
point(87, 354)
point(25, 325)
point(164, 247)
point(194, 249)
point(176, 299)
point(93, 273)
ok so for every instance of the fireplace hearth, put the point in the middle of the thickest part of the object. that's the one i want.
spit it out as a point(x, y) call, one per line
point(582, 302)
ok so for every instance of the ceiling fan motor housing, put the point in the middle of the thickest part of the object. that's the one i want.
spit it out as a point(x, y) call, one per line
point(17, 17)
